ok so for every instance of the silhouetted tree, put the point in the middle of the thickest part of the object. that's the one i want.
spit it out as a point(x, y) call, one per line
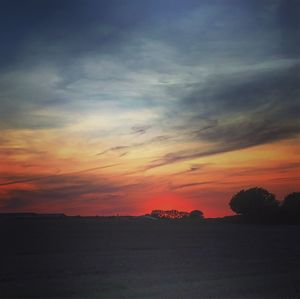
point(254, 202)
point(291, 205)
point(169, 214)
point(196, 214)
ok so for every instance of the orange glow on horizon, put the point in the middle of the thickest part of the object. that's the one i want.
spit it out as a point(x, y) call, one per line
point(78, 182)
point(168, 201)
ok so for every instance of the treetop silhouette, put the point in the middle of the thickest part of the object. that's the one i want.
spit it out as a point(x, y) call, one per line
point(254, 202)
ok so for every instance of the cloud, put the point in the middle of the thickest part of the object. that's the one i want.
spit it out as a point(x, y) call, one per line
point(194, 168)
point(182, 186)
point(274, 169)
point(93, 59)
point(232, 140)
point(124, 149)
point(140, 129)
point(39, 178)
point(179, 156)
point(66, 189)
point(119, 148)
point(246, 89)
point(15, 151)
point(25, 93)
point(241, 110)
point(253, 108)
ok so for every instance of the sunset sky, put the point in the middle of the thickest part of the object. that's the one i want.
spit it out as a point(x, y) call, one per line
point(120, 107)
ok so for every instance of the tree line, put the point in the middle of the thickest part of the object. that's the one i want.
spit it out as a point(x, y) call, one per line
point(254, 203)
point(260, 203)
point(174, 214)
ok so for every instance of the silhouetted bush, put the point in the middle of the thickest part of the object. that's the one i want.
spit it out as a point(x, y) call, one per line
point(291, 205)
point(254, 202)
point(196, 214)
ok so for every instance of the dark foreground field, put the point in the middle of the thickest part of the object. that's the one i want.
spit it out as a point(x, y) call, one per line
point(96, 258)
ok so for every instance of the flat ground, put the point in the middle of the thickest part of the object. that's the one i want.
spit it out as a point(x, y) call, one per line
point(96, 258)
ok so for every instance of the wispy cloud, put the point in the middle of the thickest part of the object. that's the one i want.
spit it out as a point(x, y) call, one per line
point(38, 178)
point(182, 186)
point(125, 148)
point(65, 189)
point(140, 130)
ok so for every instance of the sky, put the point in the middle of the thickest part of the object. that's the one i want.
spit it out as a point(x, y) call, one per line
point(120, 107)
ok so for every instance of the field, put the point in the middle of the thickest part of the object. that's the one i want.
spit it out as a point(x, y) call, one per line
point(130, 258)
